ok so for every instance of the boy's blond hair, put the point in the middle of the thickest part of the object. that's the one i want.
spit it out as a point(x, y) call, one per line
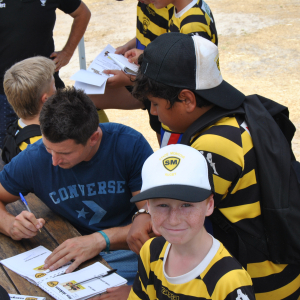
point(25, 83)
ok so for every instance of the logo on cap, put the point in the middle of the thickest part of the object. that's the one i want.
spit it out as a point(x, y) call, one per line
point(171, 163)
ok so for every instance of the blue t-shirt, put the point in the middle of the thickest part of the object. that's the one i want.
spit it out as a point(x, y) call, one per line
point(93, 195)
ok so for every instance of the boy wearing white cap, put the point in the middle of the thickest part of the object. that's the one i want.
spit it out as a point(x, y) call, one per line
point(187, 92)
point(185, 262)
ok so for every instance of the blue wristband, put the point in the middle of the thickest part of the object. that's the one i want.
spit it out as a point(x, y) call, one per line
point(106, 240)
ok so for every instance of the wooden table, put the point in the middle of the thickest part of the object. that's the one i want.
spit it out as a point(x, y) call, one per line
point(55, 231)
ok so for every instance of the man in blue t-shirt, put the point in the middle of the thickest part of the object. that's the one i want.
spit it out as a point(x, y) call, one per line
point(84, 171)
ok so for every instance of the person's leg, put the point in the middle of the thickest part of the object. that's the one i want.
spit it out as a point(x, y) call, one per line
point(7, 116)
point(125, 261)
point(118, 98)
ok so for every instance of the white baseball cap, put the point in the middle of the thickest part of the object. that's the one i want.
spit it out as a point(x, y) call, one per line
point(176, 172)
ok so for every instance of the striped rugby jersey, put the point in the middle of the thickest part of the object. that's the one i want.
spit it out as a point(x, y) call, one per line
point(228, 147)
point(219, 276)
point(151, 23)
point(31, 140)
point(196, 18)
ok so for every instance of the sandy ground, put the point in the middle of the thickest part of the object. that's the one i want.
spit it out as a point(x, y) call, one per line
point(259, 44)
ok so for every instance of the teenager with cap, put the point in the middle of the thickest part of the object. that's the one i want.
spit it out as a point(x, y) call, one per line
point(185, 262)
point(185, 92)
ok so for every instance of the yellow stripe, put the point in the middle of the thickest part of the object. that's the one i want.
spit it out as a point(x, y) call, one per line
point(195, 27)
point(154, 28)
point(228, 121)
point(230, 282)
point(145, 256)
point(244, 182)
point(281, 293)
point(263, 269)
point(220, 145)
point(221, 185)
point(246, 142)
point(192, 11)
point(144, 41)
point(151, 292)
point(237, 213)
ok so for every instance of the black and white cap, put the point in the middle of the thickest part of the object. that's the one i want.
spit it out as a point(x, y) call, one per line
point(176, 172)
point(190, 62)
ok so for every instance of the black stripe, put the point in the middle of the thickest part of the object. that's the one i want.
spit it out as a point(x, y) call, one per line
point(142, 272)
point(173, 28)
point(276, 281)
point(226, 131)
point(250, 162)
point(154, 17)
point(246, 290)
point(193, 19)
point(137, 288)
point(218, 270)
point(203, 34)
point(156, 247)
point(147, 34)
point(248, 195)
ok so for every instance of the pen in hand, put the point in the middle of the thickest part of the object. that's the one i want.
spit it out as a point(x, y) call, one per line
point(26, 205)
point(98, 277)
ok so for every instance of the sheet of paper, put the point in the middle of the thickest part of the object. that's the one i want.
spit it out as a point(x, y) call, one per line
point(89, 77)
point(90, 83)
point(63, 288)
point(123, 62)
point(90, 89)
point(30, 265)
point(24, 297)
point(103, 62)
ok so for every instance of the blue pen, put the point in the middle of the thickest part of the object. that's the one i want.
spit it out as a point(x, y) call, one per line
point(26, 205)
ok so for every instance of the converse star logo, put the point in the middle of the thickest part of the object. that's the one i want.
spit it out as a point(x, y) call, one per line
point(43, 2)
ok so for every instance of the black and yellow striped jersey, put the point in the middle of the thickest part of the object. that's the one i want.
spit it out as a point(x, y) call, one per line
point(219, 276)
point(151, 23)
point(196, 18)
point(31, 140)
point(227, 146)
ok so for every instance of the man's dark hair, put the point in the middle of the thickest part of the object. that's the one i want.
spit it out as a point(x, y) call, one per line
point(144, 87)
point(69, 114)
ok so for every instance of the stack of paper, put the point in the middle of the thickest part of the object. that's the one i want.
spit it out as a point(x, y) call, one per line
point(64, 287)
point(93, 80)
point(30, 265)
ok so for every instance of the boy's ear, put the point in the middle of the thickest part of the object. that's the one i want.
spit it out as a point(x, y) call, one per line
point(210, 205)
point(44, 98)
point(189, 100)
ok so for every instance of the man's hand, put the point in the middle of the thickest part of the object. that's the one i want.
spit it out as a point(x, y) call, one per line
point(25, 226)
point(81, 19)
point(133, 55)
point(61, 58)
point(114, 293)
point(119, 80)
point(140, 232)
point(78, 249)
